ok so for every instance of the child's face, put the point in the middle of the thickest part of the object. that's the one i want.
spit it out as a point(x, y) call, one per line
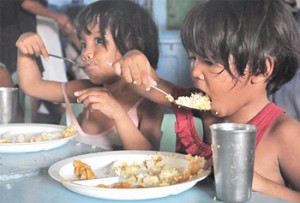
point(98, 57)
point(228, 95)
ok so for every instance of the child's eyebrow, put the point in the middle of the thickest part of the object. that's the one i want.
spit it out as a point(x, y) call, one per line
point(208, 60)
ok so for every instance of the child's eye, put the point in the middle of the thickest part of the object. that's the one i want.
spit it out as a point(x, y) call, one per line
point(99, 40)
point(208, 62)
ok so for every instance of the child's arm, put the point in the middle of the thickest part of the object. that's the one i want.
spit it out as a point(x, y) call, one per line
point(135, 68)
point(30, 46)
point(37, 8)
point(266, 186)
point(147, 136)
point(284, 141)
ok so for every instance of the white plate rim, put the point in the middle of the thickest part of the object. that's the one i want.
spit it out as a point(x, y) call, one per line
point(32, 146)
point(54, 169)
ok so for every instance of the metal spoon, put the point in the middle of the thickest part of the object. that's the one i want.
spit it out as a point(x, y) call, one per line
point(168, 96)
point(172, 100)
point(82, 66)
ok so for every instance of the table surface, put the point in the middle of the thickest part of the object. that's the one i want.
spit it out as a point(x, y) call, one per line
point(24, 178)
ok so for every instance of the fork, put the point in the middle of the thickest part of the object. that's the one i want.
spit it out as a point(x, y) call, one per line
point(82, 66)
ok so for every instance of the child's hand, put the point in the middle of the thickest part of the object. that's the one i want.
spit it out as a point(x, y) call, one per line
point(99, 99)
point(32, 44)
point(135, 68)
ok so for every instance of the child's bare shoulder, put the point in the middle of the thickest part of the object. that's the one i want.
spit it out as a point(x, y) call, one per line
point(286, 130)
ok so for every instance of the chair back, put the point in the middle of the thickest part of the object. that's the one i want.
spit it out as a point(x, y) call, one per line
point(65, 118)
point(168, 134)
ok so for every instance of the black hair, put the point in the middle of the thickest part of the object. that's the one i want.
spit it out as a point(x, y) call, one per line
point(131, 26)
point(250, 31)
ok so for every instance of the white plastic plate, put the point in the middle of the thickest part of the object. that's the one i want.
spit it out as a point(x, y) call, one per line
point(64, 170)
point(31, 129)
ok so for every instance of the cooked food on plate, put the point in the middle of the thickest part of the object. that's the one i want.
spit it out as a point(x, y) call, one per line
point(153, 172)
point(19, 137)
point(198, 101)
point(83, 171)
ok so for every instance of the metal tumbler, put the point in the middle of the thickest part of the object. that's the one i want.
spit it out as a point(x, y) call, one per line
point(233, 148)
point(8, 104)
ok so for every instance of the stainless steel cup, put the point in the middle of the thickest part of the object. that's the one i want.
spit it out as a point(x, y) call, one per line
point(233, 148)
point(8, 104)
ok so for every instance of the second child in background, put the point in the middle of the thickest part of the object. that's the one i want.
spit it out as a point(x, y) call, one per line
point(115, 116)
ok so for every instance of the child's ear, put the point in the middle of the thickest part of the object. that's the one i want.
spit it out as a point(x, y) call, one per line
point(264, 76)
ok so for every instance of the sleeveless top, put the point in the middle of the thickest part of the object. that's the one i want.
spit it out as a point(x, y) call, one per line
point(187, 137)
point(108, 139)
point(265, 118)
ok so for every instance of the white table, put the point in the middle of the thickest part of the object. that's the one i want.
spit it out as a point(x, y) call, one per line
point(24, 179)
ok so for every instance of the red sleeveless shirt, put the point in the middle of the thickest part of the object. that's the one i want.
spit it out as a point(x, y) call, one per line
point(265, 118)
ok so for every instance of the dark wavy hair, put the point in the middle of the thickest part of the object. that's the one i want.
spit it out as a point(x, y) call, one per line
point(250, 31)
point(132, 26)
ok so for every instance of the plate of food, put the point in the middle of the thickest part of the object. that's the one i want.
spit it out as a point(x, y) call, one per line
point(23, 137)
point(129, 174)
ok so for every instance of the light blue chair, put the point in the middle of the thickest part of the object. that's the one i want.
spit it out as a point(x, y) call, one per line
point(77, 109)
point(168, 135)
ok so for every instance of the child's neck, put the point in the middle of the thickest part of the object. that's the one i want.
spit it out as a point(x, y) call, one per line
point(247, 112)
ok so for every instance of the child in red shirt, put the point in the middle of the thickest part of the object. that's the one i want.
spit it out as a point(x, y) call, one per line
point(240, 51)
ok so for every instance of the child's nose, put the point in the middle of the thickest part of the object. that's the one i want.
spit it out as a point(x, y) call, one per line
point(196, 72)
point(87, 54)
